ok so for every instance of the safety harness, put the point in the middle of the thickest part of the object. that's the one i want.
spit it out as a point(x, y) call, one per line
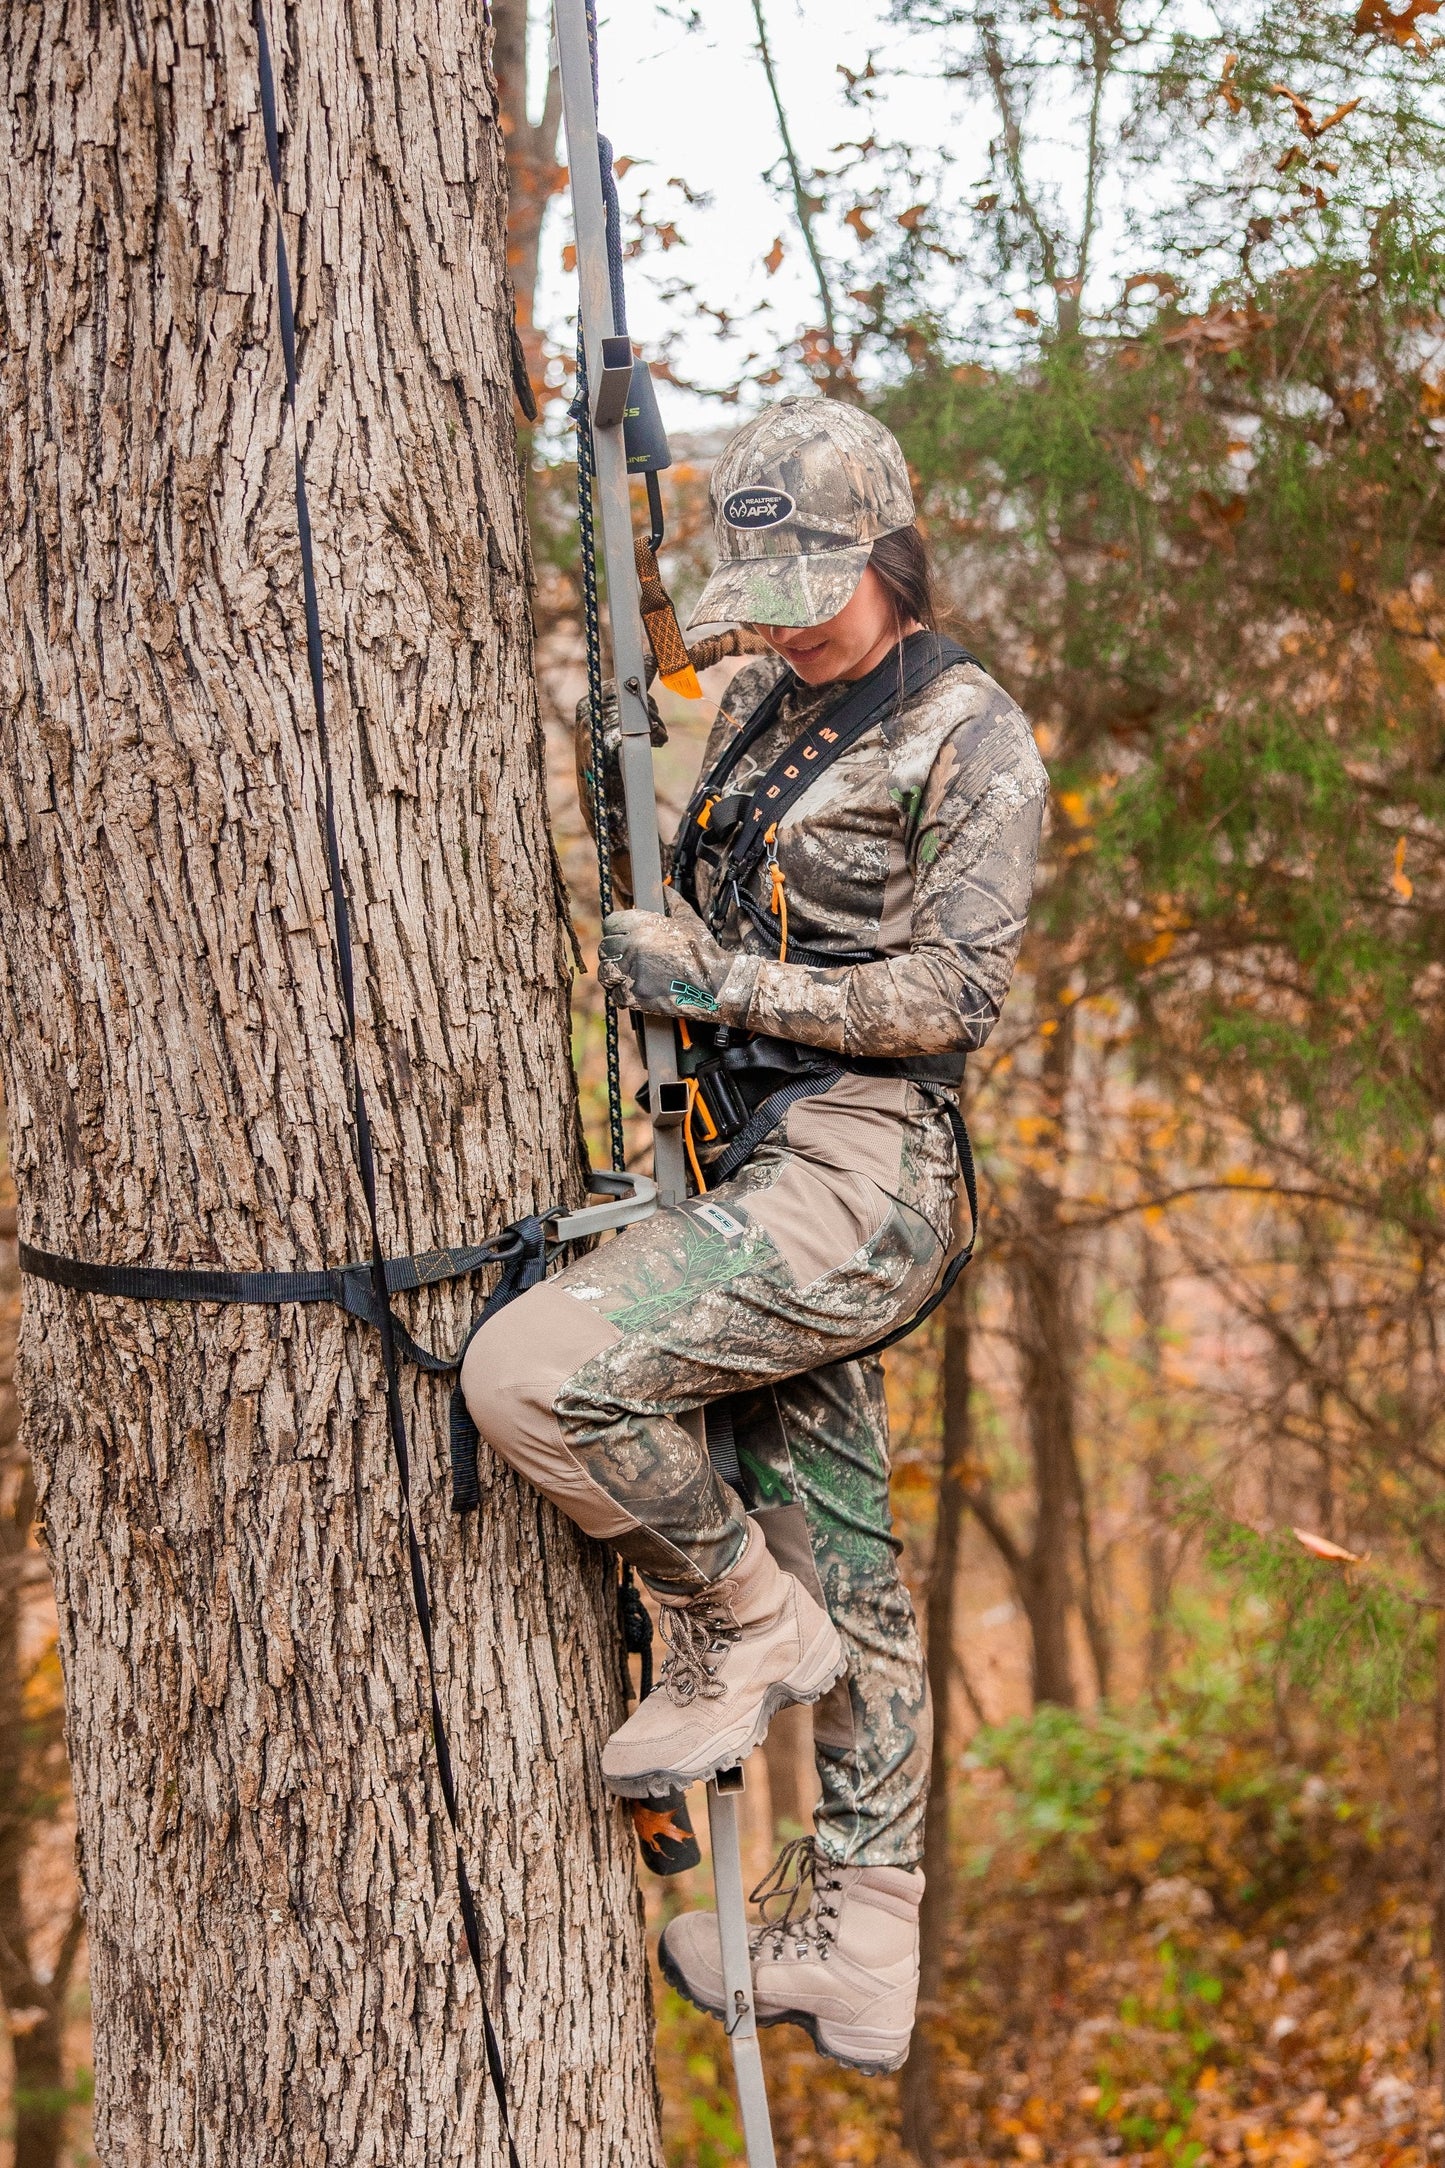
point(743, 1083)
point(745, 823)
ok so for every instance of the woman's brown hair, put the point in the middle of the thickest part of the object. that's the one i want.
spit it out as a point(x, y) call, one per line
point(902, 563)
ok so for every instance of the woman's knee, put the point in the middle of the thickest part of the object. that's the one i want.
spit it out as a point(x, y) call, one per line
point(515, 1373)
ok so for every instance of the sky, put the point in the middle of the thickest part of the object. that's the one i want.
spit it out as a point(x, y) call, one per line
point(693, 105)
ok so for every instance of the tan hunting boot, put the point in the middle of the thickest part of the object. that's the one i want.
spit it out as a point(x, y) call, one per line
point(741, 1650)
point(843, 1964)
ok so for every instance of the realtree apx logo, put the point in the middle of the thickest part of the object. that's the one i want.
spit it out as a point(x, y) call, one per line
point(754, 508)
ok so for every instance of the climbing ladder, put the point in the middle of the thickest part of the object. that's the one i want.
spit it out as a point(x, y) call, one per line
point(608, 374)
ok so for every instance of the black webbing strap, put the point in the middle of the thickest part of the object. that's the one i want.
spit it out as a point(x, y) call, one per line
point(765, 1118)
point(799, 952)
point(341, 919)
point(524, 1268)
point(350, 1287)
point(905, 671)
point(689, 841)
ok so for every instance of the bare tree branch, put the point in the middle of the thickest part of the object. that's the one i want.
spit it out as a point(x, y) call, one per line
point(802, 201)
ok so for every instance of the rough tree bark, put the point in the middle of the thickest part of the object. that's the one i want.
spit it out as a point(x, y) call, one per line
point(275, 1944)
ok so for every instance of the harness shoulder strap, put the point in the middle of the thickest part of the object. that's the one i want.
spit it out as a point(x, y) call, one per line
point(709, 788)
point(904, 672)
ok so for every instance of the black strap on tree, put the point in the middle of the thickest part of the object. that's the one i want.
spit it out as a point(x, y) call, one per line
point(350, 1287)
point(365, 1157)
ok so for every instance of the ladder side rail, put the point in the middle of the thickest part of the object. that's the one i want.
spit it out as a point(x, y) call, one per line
point(732, 1920)
point(623, 611)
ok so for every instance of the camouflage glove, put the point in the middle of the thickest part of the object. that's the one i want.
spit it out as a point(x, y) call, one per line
point(665, 966)
point(611, 761)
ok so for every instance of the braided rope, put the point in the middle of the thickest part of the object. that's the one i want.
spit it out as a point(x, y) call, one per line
point(602, 815)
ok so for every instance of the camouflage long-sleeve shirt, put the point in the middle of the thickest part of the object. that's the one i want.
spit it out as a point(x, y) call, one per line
point(920, 841)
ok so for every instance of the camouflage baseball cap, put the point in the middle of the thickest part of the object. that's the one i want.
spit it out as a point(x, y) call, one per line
point(799, 497)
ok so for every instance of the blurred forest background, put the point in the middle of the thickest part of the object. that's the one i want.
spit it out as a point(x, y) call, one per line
point(1170, 1472)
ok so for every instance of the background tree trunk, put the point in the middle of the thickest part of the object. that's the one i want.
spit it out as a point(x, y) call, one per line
point(32, 1770)
point(533, 174)
point(1046, 1390)
point(275, 1949)
point(1159, 1548)
point(918, 2085)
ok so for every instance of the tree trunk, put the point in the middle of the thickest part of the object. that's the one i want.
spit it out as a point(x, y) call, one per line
point(533, 174)
point(1047, 1336)
point(1047, 1587)
point(276, 1957)
point(792, 1788)
point(1158, 1558)
point(918, 2086)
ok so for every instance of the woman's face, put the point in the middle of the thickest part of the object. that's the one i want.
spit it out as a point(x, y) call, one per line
point(846, 646)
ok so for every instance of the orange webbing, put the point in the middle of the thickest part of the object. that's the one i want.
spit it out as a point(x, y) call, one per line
point(674, 664)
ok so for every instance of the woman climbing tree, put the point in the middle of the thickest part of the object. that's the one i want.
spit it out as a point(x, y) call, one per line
point(850, 885)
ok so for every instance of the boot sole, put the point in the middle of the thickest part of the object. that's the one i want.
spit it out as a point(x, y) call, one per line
point(876, 2066)
point(656, 1783)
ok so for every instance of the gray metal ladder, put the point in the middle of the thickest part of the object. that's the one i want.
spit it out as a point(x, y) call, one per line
point(666, 1094)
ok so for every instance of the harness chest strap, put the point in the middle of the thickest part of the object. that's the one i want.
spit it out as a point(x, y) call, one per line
point(904, 672)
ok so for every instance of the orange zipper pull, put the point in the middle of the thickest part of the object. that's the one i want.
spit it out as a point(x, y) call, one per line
point(779, 897)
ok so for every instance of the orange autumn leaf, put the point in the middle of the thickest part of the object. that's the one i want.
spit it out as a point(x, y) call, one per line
point(857, 218)
point(569, 256)
point(655, 1825)
point(910, 220)
point(774, 256)
point(1308, 125)
point(1225, 89)
point(1377, 19)
point(1400, 880)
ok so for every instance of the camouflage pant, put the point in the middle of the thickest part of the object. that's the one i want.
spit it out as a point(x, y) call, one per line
point(592, 1385)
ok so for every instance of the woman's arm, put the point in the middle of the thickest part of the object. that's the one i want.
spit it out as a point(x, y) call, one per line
point(975, 847)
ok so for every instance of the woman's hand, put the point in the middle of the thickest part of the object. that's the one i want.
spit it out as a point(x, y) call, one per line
point(664, 966)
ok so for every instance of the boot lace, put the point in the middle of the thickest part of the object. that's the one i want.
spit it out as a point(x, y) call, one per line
point(798, 1901)
point(698, 1635)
